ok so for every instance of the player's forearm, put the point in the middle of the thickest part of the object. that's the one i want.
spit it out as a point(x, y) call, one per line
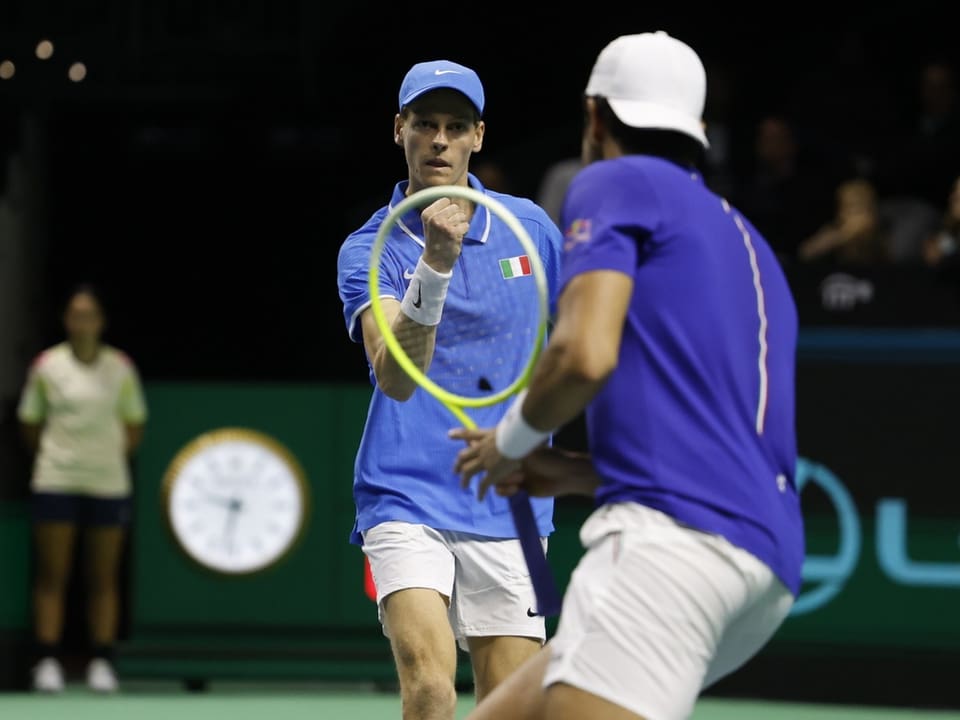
point(418, 342)
point(584, 485)
point(558, 399)
point(559, 391)
point(557, 472)
point(562, 387)
point(583, 349)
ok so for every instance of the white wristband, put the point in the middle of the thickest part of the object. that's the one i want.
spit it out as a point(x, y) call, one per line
point(514, 437)
point(423, 301)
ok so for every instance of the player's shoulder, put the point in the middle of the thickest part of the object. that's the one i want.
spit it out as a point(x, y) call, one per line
point(363, 236)
point(49, 356)
point(117, 357)
point(614, 170)
point(620, 182)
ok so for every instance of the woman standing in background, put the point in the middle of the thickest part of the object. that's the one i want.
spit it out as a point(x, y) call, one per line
point(83, 412)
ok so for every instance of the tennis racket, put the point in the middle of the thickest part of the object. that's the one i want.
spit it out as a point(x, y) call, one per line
point(494, 347)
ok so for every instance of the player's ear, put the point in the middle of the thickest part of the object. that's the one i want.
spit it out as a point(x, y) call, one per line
point(593, 128)
point(398, 130)
point(594, 132)
point(478, 136)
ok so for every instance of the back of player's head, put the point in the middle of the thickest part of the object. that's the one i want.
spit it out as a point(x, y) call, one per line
point(652, 81)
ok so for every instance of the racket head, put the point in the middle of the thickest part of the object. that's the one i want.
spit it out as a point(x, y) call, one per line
point(421, 199)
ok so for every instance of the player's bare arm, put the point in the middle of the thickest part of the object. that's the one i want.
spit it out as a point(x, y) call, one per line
point(445, 223)
point(578, 359)
point(417, 340)
point(583, 348)
point(551, 472)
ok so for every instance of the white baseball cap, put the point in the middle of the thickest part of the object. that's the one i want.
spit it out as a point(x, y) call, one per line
point(652, 80)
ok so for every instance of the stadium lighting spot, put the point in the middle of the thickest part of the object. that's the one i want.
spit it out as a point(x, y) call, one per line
point(77, 72)
point(44, 49)
point(7, 69)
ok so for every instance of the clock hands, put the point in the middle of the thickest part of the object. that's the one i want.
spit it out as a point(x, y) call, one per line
point(228, 530)
point(234, 507)
point(230, 503)
point(256, 487)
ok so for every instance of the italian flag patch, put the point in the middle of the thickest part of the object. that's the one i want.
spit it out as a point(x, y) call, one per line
point(515, 267)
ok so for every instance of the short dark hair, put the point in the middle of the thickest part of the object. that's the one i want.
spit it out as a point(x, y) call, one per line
point(668, 144)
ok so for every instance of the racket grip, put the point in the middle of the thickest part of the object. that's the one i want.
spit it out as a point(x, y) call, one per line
point(541, 575)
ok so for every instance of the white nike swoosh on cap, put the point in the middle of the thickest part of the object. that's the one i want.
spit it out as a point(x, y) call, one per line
point(408, 274)
point(446, 72)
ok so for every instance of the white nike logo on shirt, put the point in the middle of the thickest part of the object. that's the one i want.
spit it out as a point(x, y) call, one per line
point(408, 274)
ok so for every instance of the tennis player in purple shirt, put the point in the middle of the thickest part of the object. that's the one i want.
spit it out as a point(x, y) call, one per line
point(676, 336)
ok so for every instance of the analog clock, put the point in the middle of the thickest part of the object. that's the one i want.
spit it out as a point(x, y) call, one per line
point(236, 500)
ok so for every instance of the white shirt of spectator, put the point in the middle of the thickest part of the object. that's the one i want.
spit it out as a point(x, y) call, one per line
point(83, 409)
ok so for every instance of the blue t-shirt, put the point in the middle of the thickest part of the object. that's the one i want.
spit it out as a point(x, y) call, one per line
point(404, 465)
point(697, 420)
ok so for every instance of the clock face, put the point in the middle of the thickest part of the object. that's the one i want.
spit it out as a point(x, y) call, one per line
point(236, 500)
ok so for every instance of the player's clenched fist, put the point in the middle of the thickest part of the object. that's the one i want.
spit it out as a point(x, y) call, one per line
point(444, 225)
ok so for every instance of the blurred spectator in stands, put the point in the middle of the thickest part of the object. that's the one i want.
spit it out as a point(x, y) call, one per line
point(82, 410)
point(492, 173)
point(923, 160)
point(941, 247)
point(553, 185)
point(844, 100)
point(786, 192)
point(856, 235)
point(909, 222)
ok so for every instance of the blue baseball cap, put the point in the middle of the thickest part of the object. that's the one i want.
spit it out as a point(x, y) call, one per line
point(426, 76)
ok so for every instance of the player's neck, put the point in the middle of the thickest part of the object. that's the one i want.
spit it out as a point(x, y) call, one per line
point(85, 352)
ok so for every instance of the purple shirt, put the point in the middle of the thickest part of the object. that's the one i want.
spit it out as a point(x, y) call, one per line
point(697, 420)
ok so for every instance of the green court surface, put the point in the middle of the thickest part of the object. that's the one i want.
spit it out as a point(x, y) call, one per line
point(246, 703)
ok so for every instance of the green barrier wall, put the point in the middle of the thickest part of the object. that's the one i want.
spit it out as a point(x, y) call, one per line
point(320, 426)
point(308, 616)
point(876, 422)
point(14, 566)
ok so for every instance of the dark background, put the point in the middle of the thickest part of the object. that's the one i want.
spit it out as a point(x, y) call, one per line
point(217, 153)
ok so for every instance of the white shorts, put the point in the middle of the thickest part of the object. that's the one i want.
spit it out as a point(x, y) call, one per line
point(485, 579)
point(656, 611)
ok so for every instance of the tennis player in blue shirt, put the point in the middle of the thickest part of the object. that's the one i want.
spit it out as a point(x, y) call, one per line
point(448, 570)
point(676, 334)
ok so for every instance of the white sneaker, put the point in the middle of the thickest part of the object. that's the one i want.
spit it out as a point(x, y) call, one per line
point(48, 676)
point(101, 677)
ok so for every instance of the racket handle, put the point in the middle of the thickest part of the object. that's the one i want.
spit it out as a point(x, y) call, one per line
point(541, 575)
